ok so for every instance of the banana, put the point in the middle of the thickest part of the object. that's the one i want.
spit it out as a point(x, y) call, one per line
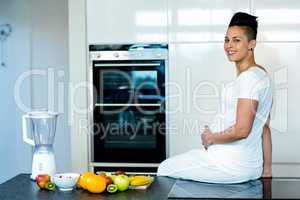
point(140, 180)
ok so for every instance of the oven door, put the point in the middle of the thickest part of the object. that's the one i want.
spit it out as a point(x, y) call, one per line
point(129, 114)
point(129, 134)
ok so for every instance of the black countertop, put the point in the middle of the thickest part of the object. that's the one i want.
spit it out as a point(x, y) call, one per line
point(21, 187)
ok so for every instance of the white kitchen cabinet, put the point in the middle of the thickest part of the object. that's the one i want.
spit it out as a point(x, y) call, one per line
point(126, 21)
point(194, 20)
point(196, 75)
point(278, 20)
point(282, 62)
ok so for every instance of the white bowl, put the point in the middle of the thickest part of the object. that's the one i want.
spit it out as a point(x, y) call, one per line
point(65, 181)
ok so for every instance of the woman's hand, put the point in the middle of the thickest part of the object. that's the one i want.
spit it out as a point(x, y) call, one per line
point(207, 137)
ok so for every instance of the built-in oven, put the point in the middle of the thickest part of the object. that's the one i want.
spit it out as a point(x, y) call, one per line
point(129, 106)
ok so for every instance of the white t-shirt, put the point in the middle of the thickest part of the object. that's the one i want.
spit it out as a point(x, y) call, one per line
point(244, 154)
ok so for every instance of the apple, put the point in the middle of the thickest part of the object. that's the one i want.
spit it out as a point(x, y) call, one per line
point(41, 180)
point(113, 177)
point(122, 182)
point(108, 180)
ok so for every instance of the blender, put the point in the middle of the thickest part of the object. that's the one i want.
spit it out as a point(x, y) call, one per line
point(41, 125)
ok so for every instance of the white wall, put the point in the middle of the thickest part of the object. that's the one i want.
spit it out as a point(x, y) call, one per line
point(36, 44)
point(15, 155)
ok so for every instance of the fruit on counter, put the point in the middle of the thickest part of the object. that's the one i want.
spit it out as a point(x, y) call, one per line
point(41, 180)
point(112, 188)
point(50, 186)
point(112, 182)
point(140, 180)
point(106, 175)
point(83, 179)
point(95, 184)
point(122, 182)
point(108, 180)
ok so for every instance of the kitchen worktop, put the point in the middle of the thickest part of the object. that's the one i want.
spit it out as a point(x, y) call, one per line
point(21, 187)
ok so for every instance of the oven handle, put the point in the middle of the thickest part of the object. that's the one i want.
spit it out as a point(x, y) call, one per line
point(126, 65)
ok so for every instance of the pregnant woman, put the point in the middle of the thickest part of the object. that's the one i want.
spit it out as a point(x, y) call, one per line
point(237, 144)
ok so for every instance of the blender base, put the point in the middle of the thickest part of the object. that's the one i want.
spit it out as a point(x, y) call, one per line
point(43, 163)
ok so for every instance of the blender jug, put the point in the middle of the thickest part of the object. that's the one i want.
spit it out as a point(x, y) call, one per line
point(42, 126)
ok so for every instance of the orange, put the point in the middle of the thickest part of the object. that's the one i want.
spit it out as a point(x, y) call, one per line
point(96, 184)
point(83, 179)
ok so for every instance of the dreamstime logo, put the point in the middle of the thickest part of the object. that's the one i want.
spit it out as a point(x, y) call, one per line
point(193, 97)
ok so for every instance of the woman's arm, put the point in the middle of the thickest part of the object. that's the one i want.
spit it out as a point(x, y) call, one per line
point(246, 111)
point(267, 150)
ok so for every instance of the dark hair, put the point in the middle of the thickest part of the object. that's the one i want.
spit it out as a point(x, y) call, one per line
point(248, 22)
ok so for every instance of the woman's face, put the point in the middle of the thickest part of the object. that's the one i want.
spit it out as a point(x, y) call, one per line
point(236, 44)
